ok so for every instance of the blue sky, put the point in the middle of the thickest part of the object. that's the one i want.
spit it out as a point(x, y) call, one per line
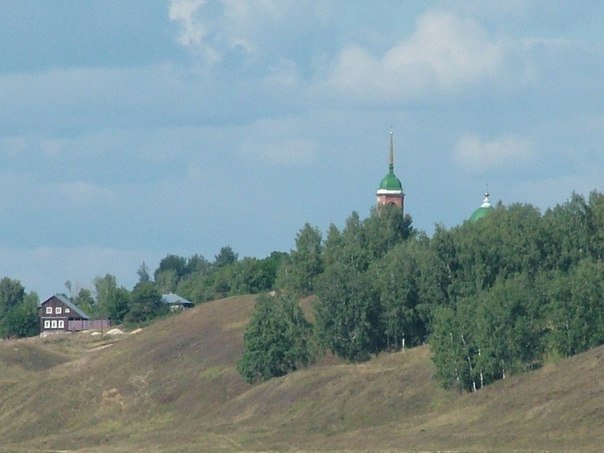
point(134, 129)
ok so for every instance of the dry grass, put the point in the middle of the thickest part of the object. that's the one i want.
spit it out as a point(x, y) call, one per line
point(173, 387)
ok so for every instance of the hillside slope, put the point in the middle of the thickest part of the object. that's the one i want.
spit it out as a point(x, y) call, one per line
point(173, 387)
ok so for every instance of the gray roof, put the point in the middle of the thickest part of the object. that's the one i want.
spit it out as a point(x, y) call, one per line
point(173, 299)
point(69, 304)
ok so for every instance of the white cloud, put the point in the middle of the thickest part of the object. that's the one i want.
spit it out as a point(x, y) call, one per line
point(477, 155)
point(183, 11)
point(195, 32)
point(247, 21)
point(257, 31)
point(443, 53)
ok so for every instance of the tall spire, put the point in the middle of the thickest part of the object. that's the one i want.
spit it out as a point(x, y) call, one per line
point(390, 191)
point(391, 156)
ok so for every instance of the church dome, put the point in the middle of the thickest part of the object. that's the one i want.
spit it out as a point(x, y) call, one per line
point(485, 209)
point(391, 182)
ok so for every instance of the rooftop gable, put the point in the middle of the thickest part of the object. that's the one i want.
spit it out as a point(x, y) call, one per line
point(172, 298)
point(65, 301)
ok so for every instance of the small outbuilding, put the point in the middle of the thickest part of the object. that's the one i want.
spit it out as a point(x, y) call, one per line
point(176, 302)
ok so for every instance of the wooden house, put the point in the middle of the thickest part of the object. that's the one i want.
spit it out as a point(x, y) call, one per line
point(59, 314)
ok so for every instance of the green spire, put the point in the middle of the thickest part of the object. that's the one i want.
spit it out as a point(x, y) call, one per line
point(390, 182)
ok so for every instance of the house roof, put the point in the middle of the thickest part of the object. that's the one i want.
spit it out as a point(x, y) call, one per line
point(64, 300)
point(173, 299)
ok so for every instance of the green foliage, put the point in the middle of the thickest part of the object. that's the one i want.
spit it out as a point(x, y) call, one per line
point(12, 293)
point(143, 273)
point(297, 275)
point(400, 287)
point(172, 269)
point(174, 263)
point(366, 302)
point(198, 280)
point(111, 301)
point(485, 337)
point(225, 256)
point(577, 313)
point(348, 313)
point(145, 304)
point(353, 251)
point(118, 307)
point(276, 340)
point(21, 320)
point(519, 286)
point(85, 301)
point(197, 264)
point(166, 281)
point(18, 311)
point(251, 276)
point(446, 347)
point(386, 227)
point(493, 297)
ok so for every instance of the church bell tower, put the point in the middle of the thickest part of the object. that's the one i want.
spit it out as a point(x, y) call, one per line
point(390, 191)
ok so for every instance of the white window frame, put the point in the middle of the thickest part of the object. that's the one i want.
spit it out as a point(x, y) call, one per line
point(61, 324)
point(67, 310)
point(58, 310)
point(49, 310)
point(53, 324)
point(47, 323)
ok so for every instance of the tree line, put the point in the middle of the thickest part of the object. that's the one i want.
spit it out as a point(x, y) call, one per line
point(194, 278)
point(494, 297)
point(18, 310)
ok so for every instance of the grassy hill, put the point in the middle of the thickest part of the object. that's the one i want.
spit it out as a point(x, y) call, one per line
point(173, 387)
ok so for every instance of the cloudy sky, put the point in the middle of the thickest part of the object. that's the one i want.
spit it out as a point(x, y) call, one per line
point(133, 129)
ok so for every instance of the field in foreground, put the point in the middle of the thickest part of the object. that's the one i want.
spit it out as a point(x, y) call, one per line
point(173, 387)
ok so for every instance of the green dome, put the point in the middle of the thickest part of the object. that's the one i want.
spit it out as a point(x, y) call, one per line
point(485, 209)
point(480, 213)
point(391, 182)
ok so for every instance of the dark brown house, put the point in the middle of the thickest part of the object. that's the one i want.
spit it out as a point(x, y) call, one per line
point(59, 314)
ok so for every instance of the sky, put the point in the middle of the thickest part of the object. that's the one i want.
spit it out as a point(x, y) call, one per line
point(130, 130)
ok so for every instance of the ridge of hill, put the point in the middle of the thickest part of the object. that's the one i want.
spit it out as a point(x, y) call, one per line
point(173, 387)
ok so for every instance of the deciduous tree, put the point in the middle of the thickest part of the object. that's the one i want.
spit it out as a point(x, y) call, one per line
point(276, 340)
